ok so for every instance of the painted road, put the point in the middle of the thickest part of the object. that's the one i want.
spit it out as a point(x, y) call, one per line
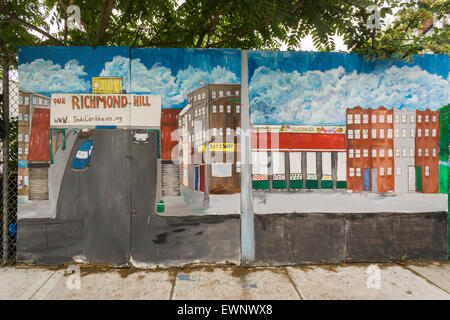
point(115, 200)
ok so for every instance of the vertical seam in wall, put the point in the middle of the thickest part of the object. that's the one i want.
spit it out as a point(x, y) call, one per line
point(345, 237)
point(293, 283)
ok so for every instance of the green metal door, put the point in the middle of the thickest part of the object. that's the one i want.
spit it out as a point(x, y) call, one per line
point(419, 178)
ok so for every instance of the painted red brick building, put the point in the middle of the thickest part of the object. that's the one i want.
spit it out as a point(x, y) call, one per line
point(427, 151)
point(369, 144)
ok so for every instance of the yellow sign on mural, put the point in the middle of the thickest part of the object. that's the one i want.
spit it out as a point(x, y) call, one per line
point(106, 85)
point(217, 147)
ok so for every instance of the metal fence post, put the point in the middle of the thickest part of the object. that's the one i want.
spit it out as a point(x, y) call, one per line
point(5, 198)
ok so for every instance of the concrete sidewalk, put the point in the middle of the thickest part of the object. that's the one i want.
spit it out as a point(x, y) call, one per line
point(352, 281)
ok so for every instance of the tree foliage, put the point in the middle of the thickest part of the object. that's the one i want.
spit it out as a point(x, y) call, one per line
point(246, 24)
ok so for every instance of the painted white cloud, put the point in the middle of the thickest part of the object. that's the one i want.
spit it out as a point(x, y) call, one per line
point(44, 76)
point(317, 97)
point(160, 80)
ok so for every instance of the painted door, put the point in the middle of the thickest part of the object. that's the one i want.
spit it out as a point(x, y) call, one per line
point(411, 178)
point(196, 177)
point(418, 178)
point(366, 179)
point(374, 180)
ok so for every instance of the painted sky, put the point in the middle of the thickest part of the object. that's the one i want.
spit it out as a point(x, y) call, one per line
point(171, 73)
point(309, 88)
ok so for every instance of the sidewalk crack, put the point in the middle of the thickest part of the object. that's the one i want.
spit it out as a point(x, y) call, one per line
point(293, 283)
point(423, 277)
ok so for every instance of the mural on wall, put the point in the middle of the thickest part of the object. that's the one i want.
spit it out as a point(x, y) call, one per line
point(114, 133)
point(133, 155)
point(384, 118)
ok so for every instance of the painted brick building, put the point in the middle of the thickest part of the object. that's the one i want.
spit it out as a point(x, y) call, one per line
point(427, 151)
point(212, 118)
point(369, 144)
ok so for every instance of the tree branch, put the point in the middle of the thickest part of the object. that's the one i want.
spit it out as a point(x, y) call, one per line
point(13, 17)
point(105, 14)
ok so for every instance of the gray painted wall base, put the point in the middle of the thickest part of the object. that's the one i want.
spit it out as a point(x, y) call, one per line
point(283, 239)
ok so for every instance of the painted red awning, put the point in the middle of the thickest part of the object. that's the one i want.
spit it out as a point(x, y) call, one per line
point(39, 148)
point(293, 141)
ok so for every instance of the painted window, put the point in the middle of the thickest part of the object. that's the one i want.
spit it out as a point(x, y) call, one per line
point(365, 118)
point(213, 94)
point(295, 162)
point(25, 179)
point(238, 109)
point(220, 131)
point(419, 132)
point(34, 100)
point(238, 131)
point(20, 150)
point(374, 153)
point(365, 134)
point(419, 118)
point(374, 118)
point(357, 118)
point(228, 109)
point(278, 162)
point(214, 132)
point(20, 116)
point(427, 171)
point(203, 95)
point(326, 163)
point(381, 133)
point(389, 152)
point(26, 150)
point(403, 132)
point(427, 132)
point(25, 117)
point(366, 153)
point(350, 153)
point(27, 101)
point(259, 163)
point(341, 166)
point(237, 92)
point(389, 133)
point(403, 118)
point(358, 172)
point(389, 171)
point(398, 171)
point(20, 137)
point(351, 172)
point(381, 118)
point(434, 118)
point(412, 118)
point(397, 152)
point(349, 119)
point(389, 118)
point(381, 171)
point(412, 133)
point(397, 120)
point(220, 93)
point(374, 133)
point(382, 153)
point(404, 153)
point(350, 134)
point(357, 153)
point(419, 152)
point(434, 152)
point(228, 93)
point(228, 131)
point(397, 133)
point(311, 163)
point(27, 138)
point(221, 108)
point(195, 98)
point(433, 133)
point(214, 109)
point(238, 166)
point(411, 153)
point(427, 118)
point(357, 134)
point(426, 152)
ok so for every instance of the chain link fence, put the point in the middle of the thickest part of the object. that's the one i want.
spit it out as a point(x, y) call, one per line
point(9, 103)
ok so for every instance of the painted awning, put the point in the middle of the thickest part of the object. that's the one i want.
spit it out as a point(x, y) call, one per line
point(293, 141)
point(39, 148)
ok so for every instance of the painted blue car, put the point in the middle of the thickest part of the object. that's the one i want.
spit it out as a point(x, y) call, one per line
point(83, 156)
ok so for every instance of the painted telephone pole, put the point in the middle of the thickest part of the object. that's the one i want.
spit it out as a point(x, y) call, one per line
point(247, 223)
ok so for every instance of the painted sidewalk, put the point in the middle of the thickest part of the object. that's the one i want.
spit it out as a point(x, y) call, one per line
point(344, 282)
